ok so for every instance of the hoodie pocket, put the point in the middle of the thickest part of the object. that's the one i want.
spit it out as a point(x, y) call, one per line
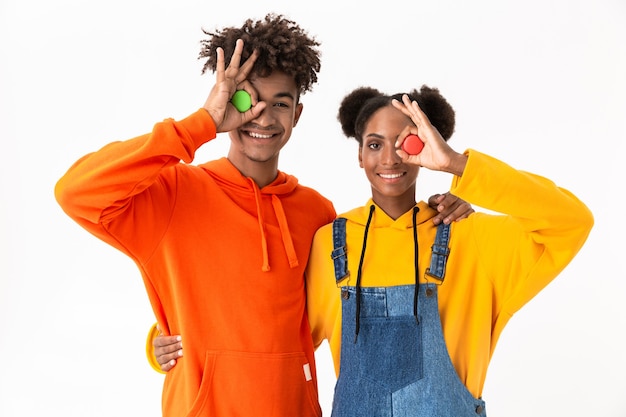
point(261, 384)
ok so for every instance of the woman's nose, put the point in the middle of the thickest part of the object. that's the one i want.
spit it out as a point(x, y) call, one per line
point(389, 155)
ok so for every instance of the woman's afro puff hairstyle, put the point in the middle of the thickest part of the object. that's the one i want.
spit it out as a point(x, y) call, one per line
point(358, 107)
point(283, 46)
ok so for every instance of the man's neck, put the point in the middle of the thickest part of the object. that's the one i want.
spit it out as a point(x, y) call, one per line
point(262, 173)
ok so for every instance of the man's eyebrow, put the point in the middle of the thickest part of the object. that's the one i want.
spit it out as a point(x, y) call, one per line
point(284, 94)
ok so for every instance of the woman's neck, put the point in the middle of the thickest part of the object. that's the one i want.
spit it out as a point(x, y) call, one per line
point(394, 207)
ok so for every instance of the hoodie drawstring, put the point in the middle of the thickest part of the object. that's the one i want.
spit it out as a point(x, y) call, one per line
point(282, 225)
point(266, 264)
point(284, 231)
point(360, 270)
point(358, 277)
point(416, 263)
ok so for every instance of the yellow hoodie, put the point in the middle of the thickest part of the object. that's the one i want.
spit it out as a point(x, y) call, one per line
point(497, 263)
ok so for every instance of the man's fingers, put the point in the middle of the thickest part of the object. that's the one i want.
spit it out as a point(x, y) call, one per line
point(434, 200)
point(246, 68)
point(220, 68)
point(235, 60)
point(450, 208)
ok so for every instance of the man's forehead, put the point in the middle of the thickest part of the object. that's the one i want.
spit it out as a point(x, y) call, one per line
point(277, 84)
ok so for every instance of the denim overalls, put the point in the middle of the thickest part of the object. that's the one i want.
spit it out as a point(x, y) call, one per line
point(397, 366)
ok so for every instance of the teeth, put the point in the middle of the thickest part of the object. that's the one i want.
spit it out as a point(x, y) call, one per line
point(390, 176)
point(259, 136)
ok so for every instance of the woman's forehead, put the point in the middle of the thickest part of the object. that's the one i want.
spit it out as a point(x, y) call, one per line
point(387, 118)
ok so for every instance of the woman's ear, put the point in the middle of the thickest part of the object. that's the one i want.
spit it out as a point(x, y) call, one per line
point(361, 156)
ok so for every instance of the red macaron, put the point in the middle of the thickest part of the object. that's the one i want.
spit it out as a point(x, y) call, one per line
point(412, 144)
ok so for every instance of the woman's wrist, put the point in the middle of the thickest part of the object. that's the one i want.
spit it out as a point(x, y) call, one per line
point(457, 164)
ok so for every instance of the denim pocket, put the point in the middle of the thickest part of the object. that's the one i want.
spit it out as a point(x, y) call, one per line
point(388, 351)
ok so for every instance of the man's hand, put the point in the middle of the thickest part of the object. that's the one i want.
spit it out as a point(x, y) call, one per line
point(229, 79)
point(450, 207)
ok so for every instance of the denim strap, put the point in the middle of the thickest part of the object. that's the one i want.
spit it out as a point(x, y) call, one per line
point(340, 259)
point(440, 252)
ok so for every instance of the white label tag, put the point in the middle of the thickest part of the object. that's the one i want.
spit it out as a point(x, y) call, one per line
point(307, 371)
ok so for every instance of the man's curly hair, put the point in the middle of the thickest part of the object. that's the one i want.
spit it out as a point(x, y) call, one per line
point(282, 45)
point(358, 107)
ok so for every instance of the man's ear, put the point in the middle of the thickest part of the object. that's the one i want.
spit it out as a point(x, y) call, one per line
point(296, 117)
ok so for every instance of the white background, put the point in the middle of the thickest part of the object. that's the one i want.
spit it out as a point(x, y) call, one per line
point(540, 84)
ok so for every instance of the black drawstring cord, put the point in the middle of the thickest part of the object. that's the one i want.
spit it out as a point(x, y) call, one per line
point(415, 260)
point(358, 277)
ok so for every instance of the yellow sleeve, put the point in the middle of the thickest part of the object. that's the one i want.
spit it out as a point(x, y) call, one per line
point(323, 295)
point(545, 228)
point(152, 333)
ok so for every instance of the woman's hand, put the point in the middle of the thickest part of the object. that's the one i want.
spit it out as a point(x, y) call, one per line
point(167, 349)
point(436, 155)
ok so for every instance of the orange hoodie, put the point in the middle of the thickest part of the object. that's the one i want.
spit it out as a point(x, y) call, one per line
point(222, 262)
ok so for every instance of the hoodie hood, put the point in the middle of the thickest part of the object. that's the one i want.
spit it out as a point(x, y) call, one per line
point(229, 177)
point(224, 172)
point(382, 220)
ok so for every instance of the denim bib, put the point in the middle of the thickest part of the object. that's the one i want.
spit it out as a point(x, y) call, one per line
point(398, 366)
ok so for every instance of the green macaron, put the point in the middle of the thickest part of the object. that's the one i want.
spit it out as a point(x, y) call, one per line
point(241, 100)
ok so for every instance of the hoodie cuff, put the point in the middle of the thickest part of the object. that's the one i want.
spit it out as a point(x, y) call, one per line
point(200, 127)
point(460, 184)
